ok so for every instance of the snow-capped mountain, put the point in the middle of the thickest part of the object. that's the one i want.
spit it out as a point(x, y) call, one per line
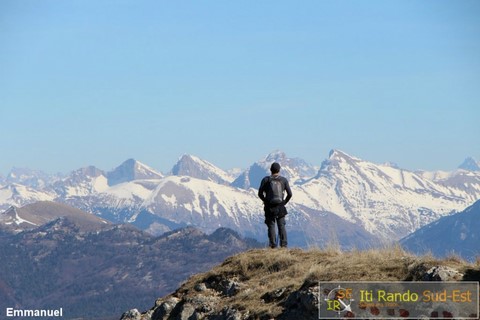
point(81, 183)
point(296, 170)
point(455, 234)
point(345, 196)
point(30, 178)
point(387, 201)
point(470, 164)
point(466, 178)
point(132, 170)
point(195, 167)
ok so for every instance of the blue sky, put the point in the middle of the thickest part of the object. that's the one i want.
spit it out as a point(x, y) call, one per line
point(97, 82)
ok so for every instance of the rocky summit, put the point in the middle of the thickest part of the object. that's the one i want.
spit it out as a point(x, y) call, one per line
point(282, 284)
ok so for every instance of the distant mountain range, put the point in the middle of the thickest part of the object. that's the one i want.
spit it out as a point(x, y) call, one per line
point(344, 199)
point(57, 256)
point(457, 234)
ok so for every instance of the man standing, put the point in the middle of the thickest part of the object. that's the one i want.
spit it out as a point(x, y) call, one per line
point(271, 192)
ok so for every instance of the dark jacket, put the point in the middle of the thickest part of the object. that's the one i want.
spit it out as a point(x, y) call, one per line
point(263, 193)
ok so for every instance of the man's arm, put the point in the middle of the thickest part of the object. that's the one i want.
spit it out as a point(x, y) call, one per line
point(289, 192)
point(261, 190)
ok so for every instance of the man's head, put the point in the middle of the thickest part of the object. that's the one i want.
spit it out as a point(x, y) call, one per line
point(275, 168)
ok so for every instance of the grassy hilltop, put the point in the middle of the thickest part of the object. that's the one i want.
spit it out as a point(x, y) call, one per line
point(282, 283)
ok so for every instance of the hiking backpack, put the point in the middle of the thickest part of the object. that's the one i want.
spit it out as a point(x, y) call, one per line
point(276, 191)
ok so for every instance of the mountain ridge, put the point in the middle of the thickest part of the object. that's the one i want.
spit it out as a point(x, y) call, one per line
point(380, 199)
point(454, 234)
point(39, 213)
point(94, 272)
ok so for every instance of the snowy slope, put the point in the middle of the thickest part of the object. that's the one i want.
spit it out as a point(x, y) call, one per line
point(18, 195)
point(10, 220)
point(464, 183)
point(175, 201)
point(82, 182)
point(165, 204)
point(387, 201)
point(197, 202)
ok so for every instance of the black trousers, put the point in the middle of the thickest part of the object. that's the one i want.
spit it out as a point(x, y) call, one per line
point(271, 220)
